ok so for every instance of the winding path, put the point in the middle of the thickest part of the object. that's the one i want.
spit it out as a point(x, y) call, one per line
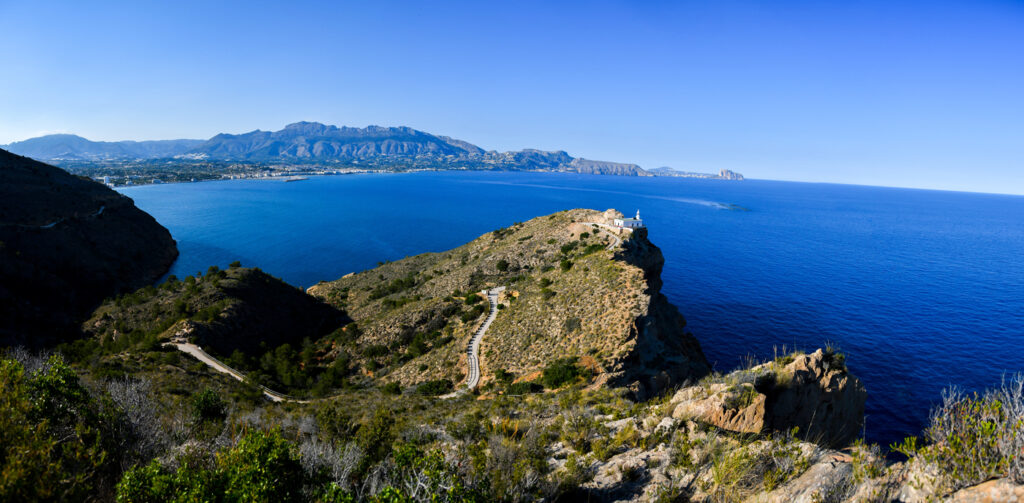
point(608, 228)
point(472, 357)
point(59, 220)
point(203, 356)
point(473, 349)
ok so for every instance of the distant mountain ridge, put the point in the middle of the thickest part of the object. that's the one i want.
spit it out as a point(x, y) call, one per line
point(69, 146)
point(312, 142)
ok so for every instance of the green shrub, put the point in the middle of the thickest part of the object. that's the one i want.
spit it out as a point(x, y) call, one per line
point(262, 467)
point(560, 372)
point(502, 265)
point(972, 438)
point(435, 387)
point(565, 264)
point(392, 388)
point(208, 405)
point(57, 442)
point(523, 388)
point(375, 350)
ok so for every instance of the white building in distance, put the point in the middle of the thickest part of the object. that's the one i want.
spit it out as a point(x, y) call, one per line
point(629, 223)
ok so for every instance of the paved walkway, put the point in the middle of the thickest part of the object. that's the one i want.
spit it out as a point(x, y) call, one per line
point(203, 356)
point(608, 228)
point(472, 357)
point(473, 348)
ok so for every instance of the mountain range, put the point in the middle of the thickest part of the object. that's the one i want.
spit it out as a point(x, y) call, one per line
point(312, 142)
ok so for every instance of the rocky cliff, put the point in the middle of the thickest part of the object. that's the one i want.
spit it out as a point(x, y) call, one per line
point(66, 243)
point(813, 392)
point(589, 167)
point(573, 289)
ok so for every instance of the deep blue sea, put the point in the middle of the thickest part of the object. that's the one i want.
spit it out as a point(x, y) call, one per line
point(921, 289)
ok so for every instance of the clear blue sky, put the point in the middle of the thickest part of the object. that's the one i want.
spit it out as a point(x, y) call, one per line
point(918, 94)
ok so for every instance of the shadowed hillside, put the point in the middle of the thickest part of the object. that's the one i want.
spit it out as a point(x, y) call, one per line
point(66, 243)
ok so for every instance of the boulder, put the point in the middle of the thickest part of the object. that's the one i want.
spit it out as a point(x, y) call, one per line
point(812, 392)
point(993, 491)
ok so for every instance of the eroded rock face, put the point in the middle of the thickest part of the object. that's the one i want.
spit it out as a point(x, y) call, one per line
point(739, 409)
point(813, 392)
point(824, 401)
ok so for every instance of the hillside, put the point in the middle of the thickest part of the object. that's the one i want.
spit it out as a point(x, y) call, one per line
point(73, 147)
point(66, 243)
point(572, 291)
point(238, 314)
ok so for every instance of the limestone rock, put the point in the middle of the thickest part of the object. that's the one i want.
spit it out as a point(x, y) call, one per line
point(812, 392)
point(993, 491)
point(827, 480)
point(720, 405)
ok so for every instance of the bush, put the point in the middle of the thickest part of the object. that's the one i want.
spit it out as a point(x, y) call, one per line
point(974, 438)
point(435, 387)
point(560, 372)
point(262, 467)
point(502, 265)
point(208, 405)
point(565, 264)
point(472, 299)
point(473, 314)
point(56, 441)
point(375, 350)
point(392, 388)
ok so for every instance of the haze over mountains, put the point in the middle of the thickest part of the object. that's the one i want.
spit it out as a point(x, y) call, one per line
point(311, 142)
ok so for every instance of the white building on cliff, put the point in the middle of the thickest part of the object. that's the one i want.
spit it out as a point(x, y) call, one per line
point(629, 223)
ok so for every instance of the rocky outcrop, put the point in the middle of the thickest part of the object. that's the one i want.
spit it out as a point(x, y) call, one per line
point(726, 174)
point(66, 243)
point(813, 392)
point(590, 167)
point(993, 491)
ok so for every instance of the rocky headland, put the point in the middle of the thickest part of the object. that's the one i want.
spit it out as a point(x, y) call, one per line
point(575, 288)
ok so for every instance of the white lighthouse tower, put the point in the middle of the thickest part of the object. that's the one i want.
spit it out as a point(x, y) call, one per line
point(629, 223)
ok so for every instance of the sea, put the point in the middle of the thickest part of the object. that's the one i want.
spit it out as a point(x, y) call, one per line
point(922, 290)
